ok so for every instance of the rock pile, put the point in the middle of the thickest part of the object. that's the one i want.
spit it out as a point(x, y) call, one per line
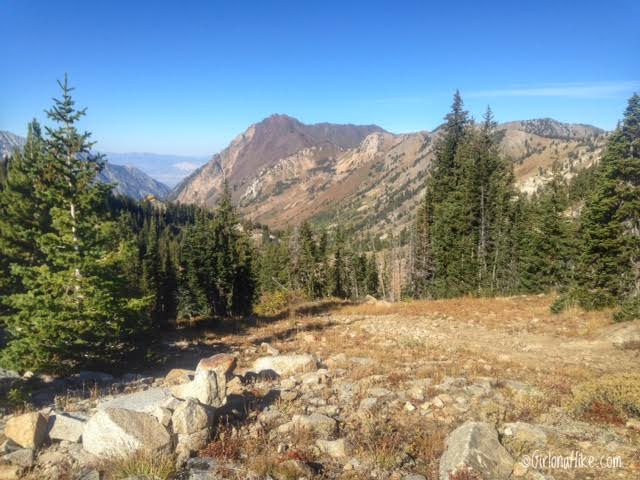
point(175, 419)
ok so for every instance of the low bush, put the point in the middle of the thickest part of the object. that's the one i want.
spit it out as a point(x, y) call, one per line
point(621, 392)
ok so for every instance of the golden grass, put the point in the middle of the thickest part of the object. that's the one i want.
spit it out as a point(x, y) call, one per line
point(531, 312)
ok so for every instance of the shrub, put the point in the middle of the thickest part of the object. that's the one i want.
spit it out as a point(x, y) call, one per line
point(629, 310)
point(620, 391)
point(274, 303)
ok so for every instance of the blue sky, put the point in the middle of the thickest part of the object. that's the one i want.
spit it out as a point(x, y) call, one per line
point(185, 77)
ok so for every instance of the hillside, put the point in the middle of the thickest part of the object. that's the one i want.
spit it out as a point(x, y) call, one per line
point(128, 180)
point(282, 171)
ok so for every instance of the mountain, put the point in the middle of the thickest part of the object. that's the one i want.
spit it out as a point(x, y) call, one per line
point(282, 171)
point(168, 169)
point(9, 142)
point(129, 180)
point(261, 146)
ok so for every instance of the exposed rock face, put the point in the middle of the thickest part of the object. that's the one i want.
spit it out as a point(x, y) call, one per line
point(475, 445)
point(283, 172)
point(260, 146)
point(116, 431)
point(28, 430)
point(285, 365)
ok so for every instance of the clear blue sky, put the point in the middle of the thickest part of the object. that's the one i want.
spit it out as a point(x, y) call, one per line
point(185, 77)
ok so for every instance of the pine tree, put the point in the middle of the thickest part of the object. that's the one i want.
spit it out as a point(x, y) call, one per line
point(609, 264)
point(339, 277)
point(75, 307)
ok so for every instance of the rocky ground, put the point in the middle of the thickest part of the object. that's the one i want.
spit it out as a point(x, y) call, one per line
point(457, 389)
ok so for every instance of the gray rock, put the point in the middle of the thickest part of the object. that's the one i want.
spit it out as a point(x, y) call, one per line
point(22, 458)
point(285, 365)
point(475, 445)
point(66, 426)
point(208, 387)
point(414, 476)
point(334, 448)
point(90, 475)
point(190, 417)
point(118, 431)
point(144, 401)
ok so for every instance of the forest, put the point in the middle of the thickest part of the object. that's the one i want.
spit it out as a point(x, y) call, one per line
point(88, 278)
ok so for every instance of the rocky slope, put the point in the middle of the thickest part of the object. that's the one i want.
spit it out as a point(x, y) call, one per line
point(410, 391)
point(282, 171)
point(128, 180)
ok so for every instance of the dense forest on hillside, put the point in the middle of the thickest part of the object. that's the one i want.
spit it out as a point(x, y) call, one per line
point(88, 278)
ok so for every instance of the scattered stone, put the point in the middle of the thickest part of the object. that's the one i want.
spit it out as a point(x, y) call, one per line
point(316, 422)
point(414, 476)
point(22, 458)
point(119, 431)
point(285, 365)
point(476, 446)
point(379, 392)
point(189, 417)
point(222, 363)
point(288, 395)
point(28, 430)
point(66, 426)
point(334, 448)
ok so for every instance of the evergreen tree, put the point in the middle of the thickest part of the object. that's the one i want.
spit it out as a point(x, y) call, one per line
point(339, 277)
point(609, 264)
point(75, 306)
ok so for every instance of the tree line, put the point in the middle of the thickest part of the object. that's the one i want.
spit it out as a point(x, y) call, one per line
point(88, 278)
point(475, 234)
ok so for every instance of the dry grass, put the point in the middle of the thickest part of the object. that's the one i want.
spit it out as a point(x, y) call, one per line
point(530, 312)
point(141, 464)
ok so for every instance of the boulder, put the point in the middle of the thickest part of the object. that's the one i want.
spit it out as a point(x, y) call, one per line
point(334, 448)
point(209, 384)
point(28, 430)
point(190, 417)
point(267, 348)
point(222, 363)
point(163, 415)
point(145, 401)
point(285, 365)
point(475, 445)
point(66, 426)
point(519, 438)
point(118, 431)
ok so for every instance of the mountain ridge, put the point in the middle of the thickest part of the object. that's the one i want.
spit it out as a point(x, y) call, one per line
point(128, 180)
point(376, 183)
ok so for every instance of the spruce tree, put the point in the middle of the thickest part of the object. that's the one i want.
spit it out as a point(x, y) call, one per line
point(75, 307)
point(609, 264)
